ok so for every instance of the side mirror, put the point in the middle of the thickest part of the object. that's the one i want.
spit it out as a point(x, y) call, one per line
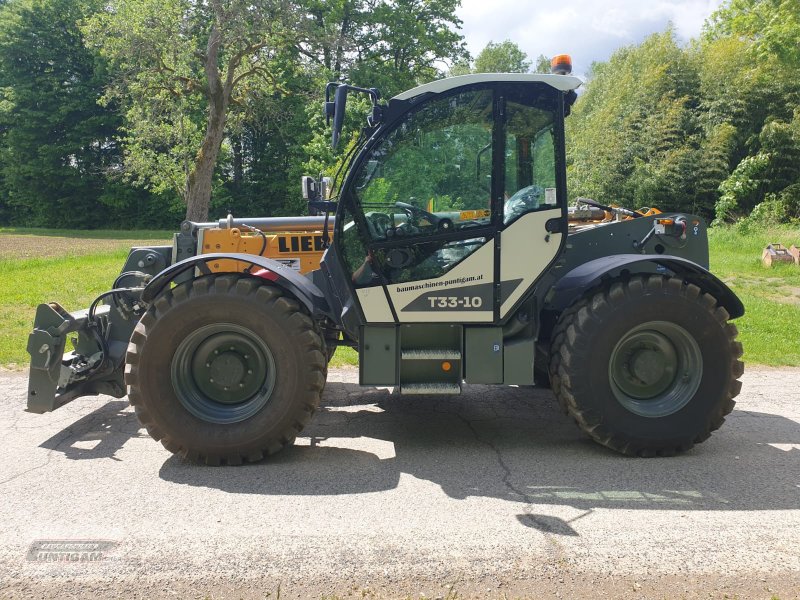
point(340, 101)
point(316, 189)
point(309, 187)
point(317, 193)
point(329, 107)
point(336, 109)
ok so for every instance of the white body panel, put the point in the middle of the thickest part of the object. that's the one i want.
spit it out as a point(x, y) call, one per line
point(560, 82)
point(527, 250)
point(475, 270)
point(466, 293)
point(375, 305)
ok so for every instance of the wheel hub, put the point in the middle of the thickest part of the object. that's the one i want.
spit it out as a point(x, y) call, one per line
point(646, 364)
point(655, 369)
point(223, 373)
point(227, 369)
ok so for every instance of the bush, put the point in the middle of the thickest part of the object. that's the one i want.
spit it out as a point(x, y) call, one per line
point(776, 209)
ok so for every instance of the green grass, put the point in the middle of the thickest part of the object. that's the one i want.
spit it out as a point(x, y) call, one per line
point(24, 284)
point(72, 281)
point(344, 357)
point(769, 330)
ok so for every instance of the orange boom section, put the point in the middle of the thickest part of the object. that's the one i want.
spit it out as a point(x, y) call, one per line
point(298, 250)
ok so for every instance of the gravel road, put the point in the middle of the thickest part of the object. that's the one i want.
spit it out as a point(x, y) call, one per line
point(490, 494)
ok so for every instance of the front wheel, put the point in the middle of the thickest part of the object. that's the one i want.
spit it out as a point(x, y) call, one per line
point(225, 369)
point(648, 366)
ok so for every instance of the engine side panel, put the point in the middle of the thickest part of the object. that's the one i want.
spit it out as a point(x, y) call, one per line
point(301, 251)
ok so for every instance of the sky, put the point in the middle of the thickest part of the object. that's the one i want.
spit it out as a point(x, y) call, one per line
point(588, 30)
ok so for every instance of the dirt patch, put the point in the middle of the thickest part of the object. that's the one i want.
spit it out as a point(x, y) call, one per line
point(786, 295)
point(13, 246)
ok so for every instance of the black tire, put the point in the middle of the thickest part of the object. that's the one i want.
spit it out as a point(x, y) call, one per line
point(194, 424)
point(588, 355)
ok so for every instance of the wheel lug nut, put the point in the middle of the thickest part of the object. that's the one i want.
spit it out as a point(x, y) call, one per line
point(208, 364)
point(216, 351)
point(233, 348)
point(241, 385)
point(246, 356)
point(225, 388)
point(249, 371)
point(211, 380)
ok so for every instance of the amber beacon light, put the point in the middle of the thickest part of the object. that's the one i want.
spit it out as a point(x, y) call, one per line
point(561, 64)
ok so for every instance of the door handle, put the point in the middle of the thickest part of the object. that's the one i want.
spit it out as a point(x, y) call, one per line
point(554, 225)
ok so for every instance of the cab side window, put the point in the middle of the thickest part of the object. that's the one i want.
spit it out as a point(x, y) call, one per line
point(432, 172)
point(530, 169)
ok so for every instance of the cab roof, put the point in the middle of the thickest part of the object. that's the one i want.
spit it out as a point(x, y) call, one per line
point(563, 83)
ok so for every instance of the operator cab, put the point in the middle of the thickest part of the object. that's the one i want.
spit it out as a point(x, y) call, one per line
point(454, 170)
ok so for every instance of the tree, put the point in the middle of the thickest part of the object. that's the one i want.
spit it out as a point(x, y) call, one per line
point(634, 133)
point(461, 67)
point(711, 127)
point(713, 167)
point(403, 42)
point(749, 92)
point(57, 147)
point(772, 25)
point(769, 177)
point(180, 68)
point(503, 57)
point(263, 164)
point(542, 64)
point(391, 45)
point(334, 30)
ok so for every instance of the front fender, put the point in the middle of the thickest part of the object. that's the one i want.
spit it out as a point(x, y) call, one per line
point(282, 276)
point(593, 273)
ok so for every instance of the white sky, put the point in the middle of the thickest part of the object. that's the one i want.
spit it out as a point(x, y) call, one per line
point(589, 30)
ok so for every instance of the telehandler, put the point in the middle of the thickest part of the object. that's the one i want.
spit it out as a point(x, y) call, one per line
point(448, 256)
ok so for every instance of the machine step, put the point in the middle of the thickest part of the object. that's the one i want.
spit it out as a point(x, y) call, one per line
point(430, 354)
point(430, 388)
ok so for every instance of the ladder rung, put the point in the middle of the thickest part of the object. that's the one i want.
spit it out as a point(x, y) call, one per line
point(430, 388)
point(431, 354)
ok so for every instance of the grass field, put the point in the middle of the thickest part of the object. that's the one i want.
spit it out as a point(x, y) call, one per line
point(770, 328)
point(71, 268)
point(74, 267)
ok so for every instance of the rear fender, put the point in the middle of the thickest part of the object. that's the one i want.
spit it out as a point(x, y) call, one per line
point(279, 274)
point(593, 273)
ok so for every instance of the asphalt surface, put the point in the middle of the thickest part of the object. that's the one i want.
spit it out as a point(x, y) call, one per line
point(494, 493)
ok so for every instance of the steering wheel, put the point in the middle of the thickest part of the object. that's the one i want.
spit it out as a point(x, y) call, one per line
point(379, 224)
point(441, 224)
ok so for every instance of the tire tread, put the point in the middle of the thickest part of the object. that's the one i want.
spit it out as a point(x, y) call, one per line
point(305, 332)
point(569, 332)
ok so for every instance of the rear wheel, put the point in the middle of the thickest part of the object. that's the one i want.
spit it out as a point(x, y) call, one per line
point(648, 366)
point(225, 368)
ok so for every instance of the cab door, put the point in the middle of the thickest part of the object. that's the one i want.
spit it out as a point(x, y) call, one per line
point(534, 214)
point(425, 208)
